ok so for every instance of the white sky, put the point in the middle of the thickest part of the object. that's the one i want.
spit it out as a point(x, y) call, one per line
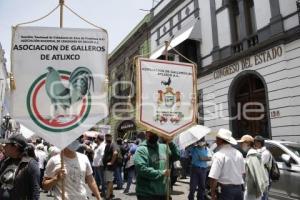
point(118, 17)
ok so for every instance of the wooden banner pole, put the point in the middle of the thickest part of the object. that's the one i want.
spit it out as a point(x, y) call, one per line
point(62, 180)
point(166, 50)
point(61, 16)
point(167, 43)
point(168, 168)
point(61, 20)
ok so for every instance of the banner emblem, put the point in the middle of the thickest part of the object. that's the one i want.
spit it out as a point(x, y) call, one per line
point(60, 75)
point(69, 98)
point(166, 96)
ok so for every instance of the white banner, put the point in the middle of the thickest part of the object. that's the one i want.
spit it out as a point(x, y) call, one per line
point(60, 80)
point(166, 96)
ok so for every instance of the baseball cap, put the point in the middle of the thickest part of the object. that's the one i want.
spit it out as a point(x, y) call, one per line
point(246, 138)
point(17, 139)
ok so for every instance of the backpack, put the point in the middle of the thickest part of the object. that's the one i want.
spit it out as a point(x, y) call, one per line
point(274, 170)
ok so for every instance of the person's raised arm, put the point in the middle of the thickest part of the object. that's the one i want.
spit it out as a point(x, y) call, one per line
point(50, 182)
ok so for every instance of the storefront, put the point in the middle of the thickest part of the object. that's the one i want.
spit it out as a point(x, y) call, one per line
point(126, 129)
point(258, 94)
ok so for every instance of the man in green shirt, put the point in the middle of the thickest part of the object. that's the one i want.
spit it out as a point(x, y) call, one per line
point(151, 165)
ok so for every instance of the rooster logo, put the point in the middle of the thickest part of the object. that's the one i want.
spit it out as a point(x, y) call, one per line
point(80, 82)
point(166, 83)
point(69, 95)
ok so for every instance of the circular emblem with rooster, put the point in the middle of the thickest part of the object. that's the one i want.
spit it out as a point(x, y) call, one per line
point(60, 100)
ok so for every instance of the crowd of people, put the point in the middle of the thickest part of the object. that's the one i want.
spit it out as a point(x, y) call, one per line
point(96, 163)
point(238, 169)
point(233, 170)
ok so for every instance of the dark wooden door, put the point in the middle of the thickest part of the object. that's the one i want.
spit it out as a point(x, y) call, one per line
point(251, 108)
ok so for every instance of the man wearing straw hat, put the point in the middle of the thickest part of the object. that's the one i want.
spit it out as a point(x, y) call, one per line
point(228, 168)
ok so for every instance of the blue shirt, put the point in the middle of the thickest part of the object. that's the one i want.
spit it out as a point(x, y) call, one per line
point(197, 153)
point(132, 149)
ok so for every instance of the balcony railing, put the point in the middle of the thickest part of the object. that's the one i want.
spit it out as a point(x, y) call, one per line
point(237, 47)
point(252, 41)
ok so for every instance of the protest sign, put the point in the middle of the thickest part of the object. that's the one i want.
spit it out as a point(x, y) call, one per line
point(60, 76)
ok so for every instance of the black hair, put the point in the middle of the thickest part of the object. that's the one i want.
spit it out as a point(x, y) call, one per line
point(100, 138)
point(137, 141)
point(29, 151)
point(119, 141)
point(38, 141)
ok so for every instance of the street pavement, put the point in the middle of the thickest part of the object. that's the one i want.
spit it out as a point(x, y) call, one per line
point(180, 192)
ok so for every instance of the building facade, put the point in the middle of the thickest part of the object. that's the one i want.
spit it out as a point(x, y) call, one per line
point(4, 89)
point(121, 69)
point(178, 23)
point(251, 83)
point(247, 56)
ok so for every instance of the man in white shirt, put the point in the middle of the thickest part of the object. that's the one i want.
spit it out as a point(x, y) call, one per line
point(228, 168)
point(98, 163)
point(76, 172)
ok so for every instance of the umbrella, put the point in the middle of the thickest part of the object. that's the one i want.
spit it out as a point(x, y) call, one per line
point(92, 134)
point(192, 135)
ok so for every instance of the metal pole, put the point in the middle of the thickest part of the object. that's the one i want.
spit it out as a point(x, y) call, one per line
point(61, 4)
